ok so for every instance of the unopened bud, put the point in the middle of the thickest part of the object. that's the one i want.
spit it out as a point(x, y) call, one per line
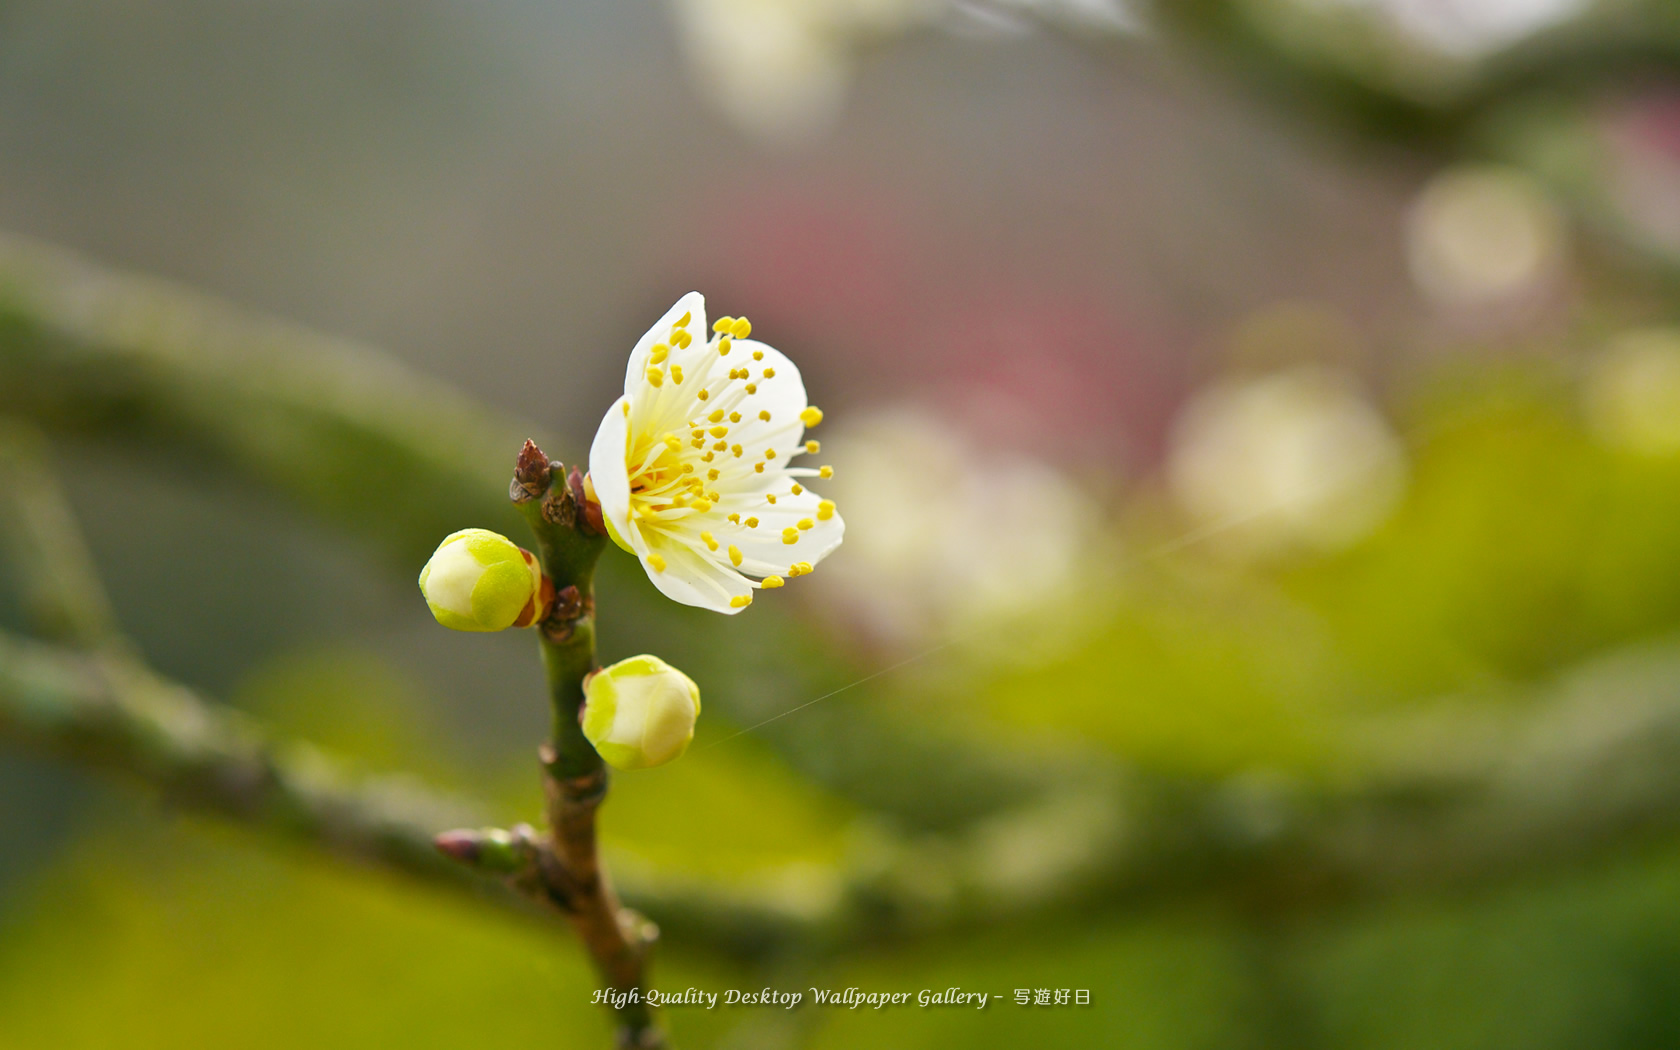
point(640, 712)
point(478, 580)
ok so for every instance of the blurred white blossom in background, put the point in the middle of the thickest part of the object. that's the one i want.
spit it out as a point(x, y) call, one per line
point(1483, 235)
point(951, 540)
point(779, 69)
point(1466, 28)
point(1291, 461)
point(1632, 395)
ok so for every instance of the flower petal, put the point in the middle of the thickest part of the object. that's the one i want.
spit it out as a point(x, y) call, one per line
point(610, 476)
point(765, 544)
point(693, 580)
point(693, 304)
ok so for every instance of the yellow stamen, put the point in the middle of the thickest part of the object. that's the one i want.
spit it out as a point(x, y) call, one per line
point(741, 328)
point(771, 582)
point(716, 416)
point(811, 416)
point(736, 518)
point(703, 394)
point(722, 324)
point(790, 536)
point(676, 373)
point(825, 472)
point(758, 468)
point(769, 373)
point(765, 415)
point(711, 543)
point(806, 524)
point(712, 474)
point(740, 601)
point(752, 523)
point(813, 447)
point(657, 560)
point(752, 388)
point(708, 457)
point(723, 351)
point(734, 554)
point(734, 417)
point(769, 453)
point(825, 510)
point(681, 338)
point(771, 496)
point(659, 352)
point(719, 431)
point(682, 322)
point(758, 355)
point(702, 505)
point(797, 487)
point(736, 449)
point(656, 377)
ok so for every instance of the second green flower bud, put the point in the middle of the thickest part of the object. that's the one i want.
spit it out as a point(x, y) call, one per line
point(640, 712)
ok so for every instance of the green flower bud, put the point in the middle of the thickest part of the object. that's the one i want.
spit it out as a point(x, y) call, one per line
point(640, 712)
point(478, 580)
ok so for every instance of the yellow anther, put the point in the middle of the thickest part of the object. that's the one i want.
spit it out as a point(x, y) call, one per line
point(698, 442)
point(758, 355)
point(626, 406)
point(771, 582)
point(672, 443)
point(702, 505)
point(655, 376)
point(736, 449)
point(723, 351)
point(722, 324)
point(712, 474)
point(740, 601)
point(769, 453)
point(688, 468)
point(734, 417)
point(771, 496)
point(752, 388)
point(707, 458)
point(714, 497)
point(711, 543)
point(734, 555)
point(752, 523)
point(806, 524)
point(765, 415)
point(676, 373)
point(790, 536)
point(825, 510)
point(797, 487)
point(657, 560)
point(793, 570)
point(825, 472)
point(741, 328)
point(736, 518)
point(720, 446)
point(682, 322)
point(681, 338)
point(758, 468)
point(813, 447)
point(811, 416)
point(659, 353)
point(805, 568)
point(769, 373)
point(716, 416)
point(703, 394)
point(719, 431)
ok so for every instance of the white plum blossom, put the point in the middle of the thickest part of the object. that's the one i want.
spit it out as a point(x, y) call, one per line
point(692, 466)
